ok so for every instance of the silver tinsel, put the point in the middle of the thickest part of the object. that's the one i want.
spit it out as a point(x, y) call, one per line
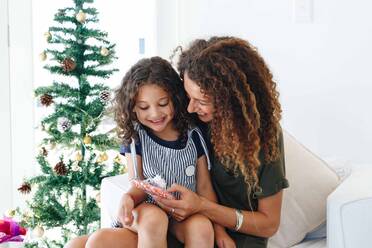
point(63, 124)
point(104, 96)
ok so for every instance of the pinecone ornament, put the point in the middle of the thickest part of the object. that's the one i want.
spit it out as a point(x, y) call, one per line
point(64, 124)
point(25, 188)
point(60, 168)
point(104, 96)
point(68, 65)
point(46, 100)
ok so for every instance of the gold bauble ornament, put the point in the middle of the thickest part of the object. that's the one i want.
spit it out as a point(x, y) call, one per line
point(38, 232)
point(26, 216)
point(47, 36)
point(78, 157)
point(87, 140)
point(117, 159)
point(103, 157)
point(11, 213)
point(81, 16)
point(124, 170)
point(98, 197)
point(104, 51)
point(43, 56)
point(51, 145)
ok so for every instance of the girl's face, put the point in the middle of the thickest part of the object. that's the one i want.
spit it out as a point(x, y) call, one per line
point(200, 103)
point(154, 108)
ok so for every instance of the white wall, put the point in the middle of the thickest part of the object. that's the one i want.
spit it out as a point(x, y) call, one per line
point(21, 100)
point(5, 140)
point(167, 27)
point(322, 67)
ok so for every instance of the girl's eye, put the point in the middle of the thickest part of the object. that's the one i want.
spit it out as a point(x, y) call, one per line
point(203, 103)
point(143, 108)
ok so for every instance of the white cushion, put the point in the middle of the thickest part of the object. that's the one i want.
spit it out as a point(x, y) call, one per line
point(318, 243)
point(112, 188)
point(304, 202)
point(349, 216)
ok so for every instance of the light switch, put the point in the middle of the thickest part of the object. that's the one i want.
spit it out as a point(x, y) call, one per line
point(141, 45)
point(302, 11)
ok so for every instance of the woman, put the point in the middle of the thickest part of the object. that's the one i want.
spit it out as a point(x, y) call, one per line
point(232, 91)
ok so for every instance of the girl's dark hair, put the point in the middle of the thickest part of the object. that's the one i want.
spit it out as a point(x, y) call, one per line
point(245, 126)
point(156, 71)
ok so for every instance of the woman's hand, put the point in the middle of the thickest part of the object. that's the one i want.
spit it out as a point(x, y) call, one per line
point(125, 215)
point(188, 204)
point(223, 240)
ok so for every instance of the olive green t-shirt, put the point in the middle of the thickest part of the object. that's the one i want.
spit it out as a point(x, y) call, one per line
point(232, 191)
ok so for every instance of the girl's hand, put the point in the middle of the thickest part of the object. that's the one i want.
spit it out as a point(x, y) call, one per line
point(223, 240)
point(125, 215)
point(188, 204)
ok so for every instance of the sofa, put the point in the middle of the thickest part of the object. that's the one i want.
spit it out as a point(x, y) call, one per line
point(319, 208)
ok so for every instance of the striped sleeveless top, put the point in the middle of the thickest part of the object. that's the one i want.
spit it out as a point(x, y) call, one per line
point(173, 165)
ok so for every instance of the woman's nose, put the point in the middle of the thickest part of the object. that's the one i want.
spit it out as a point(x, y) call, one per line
point(191, 107)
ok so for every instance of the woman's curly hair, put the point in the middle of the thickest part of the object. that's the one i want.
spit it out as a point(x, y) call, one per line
point(245, 125)
point(156, 71)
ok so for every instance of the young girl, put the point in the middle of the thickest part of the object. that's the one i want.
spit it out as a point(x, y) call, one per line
point(151, 110)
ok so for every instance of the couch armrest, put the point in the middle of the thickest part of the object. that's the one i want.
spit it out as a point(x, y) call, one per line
point(112, 188)
point(349, 212)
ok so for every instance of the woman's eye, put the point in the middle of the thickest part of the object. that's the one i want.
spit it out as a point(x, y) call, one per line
point(143, 108)
point(163, 104)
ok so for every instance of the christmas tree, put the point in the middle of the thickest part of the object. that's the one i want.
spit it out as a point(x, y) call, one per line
point(65, 196)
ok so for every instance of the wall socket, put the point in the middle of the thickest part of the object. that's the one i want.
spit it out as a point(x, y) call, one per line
point(302, 11)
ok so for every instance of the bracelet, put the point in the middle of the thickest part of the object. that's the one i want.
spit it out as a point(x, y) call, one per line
point(239, 219)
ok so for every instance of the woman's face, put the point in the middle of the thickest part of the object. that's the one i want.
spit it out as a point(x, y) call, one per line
point(200, 103)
